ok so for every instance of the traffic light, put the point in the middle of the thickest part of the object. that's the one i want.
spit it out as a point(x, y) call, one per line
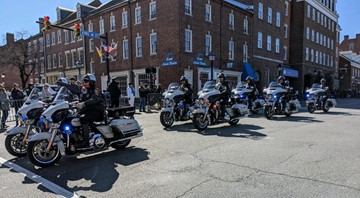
point(47, 24)
point(77, 30)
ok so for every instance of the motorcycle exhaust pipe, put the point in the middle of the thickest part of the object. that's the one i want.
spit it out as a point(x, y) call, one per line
point(128, 138)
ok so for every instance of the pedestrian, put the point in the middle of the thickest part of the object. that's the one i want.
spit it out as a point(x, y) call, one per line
point(115, 93)
point(45, 93)
point(142, 94)
point(148, 90)
point(158, 89)
point(131, 94)
point(73, 87)
point(5, 106)
point(29, 89)
point(17, 96)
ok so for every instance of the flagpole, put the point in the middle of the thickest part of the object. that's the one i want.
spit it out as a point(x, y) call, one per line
point(107, 59)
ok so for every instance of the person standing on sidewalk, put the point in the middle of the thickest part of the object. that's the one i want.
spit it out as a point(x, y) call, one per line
point(131, 94)
point(115, 93)
point(17, 96)
point(142, 93)
point(5, 106)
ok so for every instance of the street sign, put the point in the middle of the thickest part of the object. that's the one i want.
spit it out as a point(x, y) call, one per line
point(169, 63)
point(90, 34)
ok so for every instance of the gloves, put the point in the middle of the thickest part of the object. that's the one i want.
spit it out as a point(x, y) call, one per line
point(80, 105)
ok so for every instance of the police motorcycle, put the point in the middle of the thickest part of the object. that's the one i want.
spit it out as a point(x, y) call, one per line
point(174, 108)
point(315, 99)
point(241, 94)
point(65, 133)
point(29, 123)
point(208, 109)
point(273, 101)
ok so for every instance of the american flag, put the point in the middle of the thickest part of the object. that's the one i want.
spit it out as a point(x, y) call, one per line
point(111, 50)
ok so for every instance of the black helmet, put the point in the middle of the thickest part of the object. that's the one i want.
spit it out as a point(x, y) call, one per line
point(89, 77)
point(323, 80)
point(248, 78)
point(62, 81)
point(221, 75)
point(183, 78)
point(281, 78)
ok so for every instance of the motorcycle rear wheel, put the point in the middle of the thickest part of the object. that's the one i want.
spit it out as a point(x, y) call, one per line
point(38, 155)
point(200, 123)
point(326, 109)
point(311, 108)
point(233, 122)
point(166, 120)
point(14, 145)
point(268, 112)
point(121, 145)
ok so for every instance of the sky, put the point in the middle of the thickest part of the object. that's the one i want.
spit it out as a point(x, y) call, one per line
point(20, 15)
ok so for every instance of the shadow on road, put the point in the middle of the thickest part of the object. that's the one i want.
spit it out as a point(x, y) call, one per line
point(240, 130)
point(99, 170)
point(295, 118)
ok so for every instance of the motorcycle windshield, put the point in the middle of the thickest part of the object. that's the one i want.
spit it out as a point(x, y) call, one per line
point(209, 85)
point(315, 86)
point(240, 86)
point(173, 86)
point(35, 95)
point(62, 95)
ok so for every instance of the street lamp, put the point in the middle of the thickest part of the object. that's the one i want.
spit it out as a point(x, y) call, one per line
point(279, 69)
point(79, 65)
point(212, 58)
point(3, 78)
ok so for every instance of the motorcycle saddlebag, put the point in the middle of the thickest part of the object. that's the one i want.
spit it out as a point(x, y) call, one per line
point(121, 111)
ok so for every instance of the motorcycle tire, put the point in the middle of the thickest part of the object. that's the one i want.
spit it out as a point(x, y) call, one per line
point(121, 145)
point(268, 112)
point(255, 111)
point(166, 120)
point(198, 124)
point(13, 144)
point(233, 122)
point(311, 108)
point(326, 109)
point(288, 114)
point(31, 154)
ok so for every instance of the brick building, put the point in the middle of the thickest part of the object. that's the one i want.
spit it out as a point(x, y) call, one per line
point(313, 37)
point(352, 44)
point(349, 71)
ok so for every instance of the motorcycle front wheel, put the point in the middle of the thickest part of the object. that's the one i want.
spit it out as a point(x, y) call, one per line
point(268, 112)
point(166, 120)
point(15, 146)
point(200, 122)
point(326, 109)
point(39, 155)
point(311, 108)
point(233, 122)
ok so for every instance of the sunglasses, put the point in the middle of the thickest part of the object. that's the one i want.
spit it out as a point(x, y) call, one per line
point(85, 81)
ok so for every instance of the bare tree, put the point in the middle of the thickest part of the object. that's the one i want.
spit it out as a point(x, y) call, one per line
point(23, 55)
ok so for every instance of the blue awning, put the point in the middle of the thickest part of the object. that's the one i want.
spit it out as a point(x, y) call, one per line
point(289, 72)
point(248, 71)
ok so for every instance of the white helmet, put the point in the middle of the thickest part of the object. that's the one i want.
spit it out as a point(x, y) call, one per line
point(90, 77)
point(62, 81)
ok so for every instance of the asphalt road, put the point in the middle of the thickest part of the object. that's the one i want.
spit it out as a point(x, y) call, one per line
point(306, 155)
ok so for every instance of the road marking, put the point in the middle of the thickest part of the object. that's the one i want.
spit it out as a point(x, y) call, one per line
point(38, 179)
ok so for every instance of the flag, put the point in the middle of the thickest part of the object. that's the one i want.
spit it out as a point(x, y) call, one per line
point(111, 50)
point(99, 52)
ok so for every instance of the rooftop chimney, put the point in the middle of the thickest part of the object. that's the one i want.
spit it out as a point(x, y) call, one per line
point(357, 36)
point(346, 37)
point(10, 38)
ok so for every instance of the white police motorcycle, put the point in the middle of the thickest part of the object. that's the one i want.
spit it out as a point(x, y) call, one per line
point(315, 99)
point(174, 108)
point(241, 94)
point(208, 109)
point(273, 101)
point(65, 133)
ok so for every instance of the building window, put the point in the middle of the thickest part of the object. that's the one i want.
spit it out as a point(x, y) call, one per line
point(308, 11)
point(90, 27)
point(328, 42)
point(321, 39)
point(101, 26)
point(138, 46)
point(112, 23)
point(285, 30)
point(231, 21)
point(72, 36)
point(66, 36)
point(286, 8)
point(268, 46)
point(153, 44)
point(67, 59)
point(125, 49)
point(81, 54)
point(322, 19)
point(351, 47)
point(332, 26)
point(49, 61)
point(277, 19)
point(269, 18)
point(324, 40)
point(328, 60)
point(317, 37)
point(41, 44)
point(92, 66)
point(54, 60)
point(231, 50)
point(80, 37)
point(260, 12)
point(245, 52)
point(188, 7)
point(73, 56)
point(91, 45)
point(325, 21)
point(332, 61)
point(208, 12)
point(53, 38)
point(207, 44)
point(35, 46)
point(124, 20)
point(312, 35)
point(307, 54)
point(47, 40)
point(246, 26)
point(60, 60)
point(307, 33)
point(313, 14)
point(316, 57)
point(285, 53)
point(188, 41)
point(259, 44)
point(277, 45)
point(320, 58)
point(138, 15)
point(318, 16)
point(332, 44)
point(152, 10)
point(59, 36)
point(312, 55)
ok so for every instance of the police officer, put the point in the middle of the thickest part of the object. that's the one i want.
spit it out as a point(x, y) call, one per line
point(223, 87)
point(186, 88)
point(250, 85)
point(91, 106)
point(284, 85)
point(323, 86)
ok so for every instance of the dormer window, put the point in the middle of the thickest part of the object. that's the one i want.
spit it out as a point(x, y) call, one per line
point(58, 13)
point(78, 11)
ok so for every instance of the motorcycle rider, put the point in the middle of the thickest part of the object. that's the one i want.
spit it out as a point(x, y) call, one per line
point(323, 86)
point(91, 106)
point(285, 85)
point(188, 96)
point(250, 85)
point(223, 87)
